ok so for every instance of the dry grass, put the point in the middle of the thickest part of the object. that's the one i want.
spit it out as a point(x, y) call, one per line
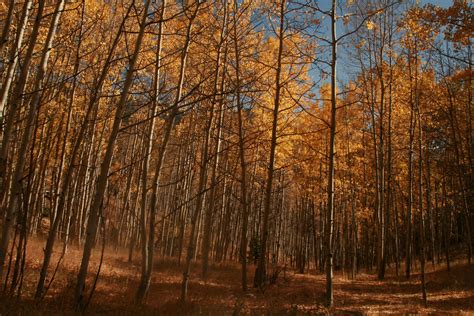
point(448, 292)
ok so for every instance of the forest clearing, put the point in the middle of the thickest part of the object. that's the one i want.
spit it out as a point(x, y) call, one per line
point(236, 156)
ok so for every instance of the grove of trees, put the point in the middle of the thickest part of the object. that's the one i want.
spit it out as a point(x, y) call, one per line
point(300, 134)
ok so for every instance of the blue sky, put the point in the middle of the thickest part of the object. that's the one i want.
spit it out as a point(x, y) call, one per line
point(345, 65)
point(441, 3)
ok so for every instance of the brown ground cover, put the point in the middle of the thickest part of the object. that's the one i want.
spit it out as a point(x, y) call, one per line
point(449, 292)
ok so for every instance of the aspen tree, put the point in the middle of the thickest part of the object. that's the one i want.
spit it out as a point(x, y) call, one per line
point(14, 52)
point(68, 174)
point(148, 243)
point(260, 273)
point(215, 99)
point(16, 182)
point(243, 164)
point(101, 183)
point(14, 105)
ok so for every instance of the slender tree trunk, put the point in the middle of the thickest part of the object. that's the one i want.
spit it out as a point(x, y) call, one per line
point(166, 137)
point(332, 148)
point(210, 210)
point(420, 206)
point(68, 175)
point(429, 208)
point(96, 205)
point(6, 25)
point(14, 107)
point(195, 215)
point(243, 164)
point(148, 243)
point(413, 101)
point(16, 185)
point(14, 52)
point(260, 273)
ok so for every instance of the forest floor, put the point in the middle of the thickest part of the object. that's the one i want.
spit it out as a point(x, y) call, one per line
point(448, 292)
